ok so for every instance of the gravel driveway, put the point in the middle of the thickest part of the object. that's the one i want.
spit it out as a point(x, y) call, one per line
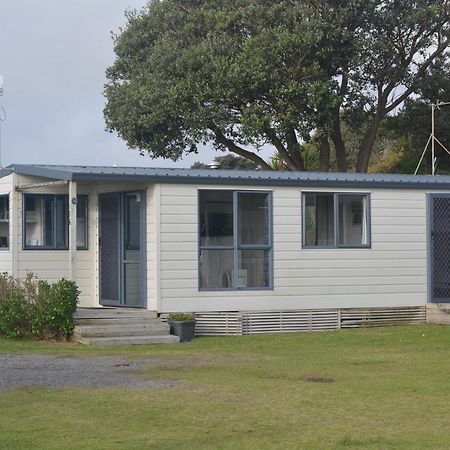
point(52, 371)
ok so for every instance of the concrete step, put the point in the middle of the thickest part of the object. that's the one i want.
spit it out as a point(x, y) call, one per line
point(438, 313)
point(112, 313)
point(439, 306)
point(138, 329)
point(118, 321)
point(120, 326)
point(130, 340)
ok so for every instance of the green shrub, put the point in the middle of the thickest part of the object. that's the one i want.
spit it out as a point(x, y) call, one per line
point(181, 316)
point(14, 314)
point(53, 315)
point(36, 308)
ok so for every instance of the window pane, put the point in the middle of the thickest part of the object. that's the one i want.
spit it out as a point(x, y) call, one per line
point(82, 221)
point(4, 207)
point(253, 269)
point(33, 221)
point(48, 221)
point(319, 219)
point(4, 221)
point(133, 221)
point(62, 216)
point(132, 284)
point(216, 269)
point(253, 212)
point(353, 220)
point(216, 218)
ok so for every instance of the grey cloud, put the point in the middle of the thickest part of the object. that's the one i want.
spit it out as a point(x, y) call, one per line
point(53, 55)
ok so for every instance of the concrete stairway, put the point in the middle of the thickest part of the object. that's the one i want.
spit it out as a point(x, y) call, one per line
point(120, 326)
point(438, 313)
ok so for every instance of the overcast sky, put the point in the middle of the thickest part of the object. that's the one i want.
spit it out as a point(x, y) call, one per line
point(53, 56)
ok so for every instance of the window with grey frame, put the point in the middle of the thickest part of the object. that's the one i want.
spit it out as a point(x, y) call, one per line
point(4, 222)
point(336, 220)
point(46, 222)
point(235, 240)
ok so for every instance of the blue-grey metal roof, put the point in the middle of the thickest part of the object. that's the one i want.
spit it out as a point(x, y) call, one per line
point(240, 177)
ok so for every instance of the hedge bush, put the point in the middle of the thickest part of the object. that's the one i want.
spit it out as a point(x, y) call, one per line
point(33, 308)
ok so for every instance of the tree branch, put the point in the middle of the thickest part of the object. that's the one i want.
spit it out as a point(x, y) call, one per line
point(232, 147)
point(440, 49)
point(276, 141)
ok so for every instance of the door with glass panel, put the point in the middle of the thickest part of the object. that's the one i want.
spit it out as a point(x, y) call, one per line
point(439, 245)
point(122, 249)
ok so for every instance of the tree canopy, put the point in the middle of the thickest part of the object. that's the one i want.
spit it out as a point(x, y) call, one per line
point(246, 73)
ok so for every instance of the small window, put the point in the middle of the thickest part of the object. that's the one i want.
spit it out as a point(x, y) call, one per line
point(235, 240)
point(4, 221)
point(46, 221)
point(335, 220)
point(82, 222)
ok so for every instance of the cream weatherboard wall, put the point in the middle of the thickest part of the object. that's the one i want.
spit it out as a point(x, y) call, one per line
point(54, 264)
point(6, 254)
point(393, 272)
point(152, 218)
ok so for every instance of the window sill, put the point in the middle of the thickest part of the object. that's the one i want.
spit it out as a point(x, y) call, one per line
point(346, 247)
point(235, 289)
point(51, 248)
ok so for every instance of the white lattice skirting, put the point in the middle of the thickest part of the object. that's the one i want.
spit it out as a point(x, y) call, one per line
point(255, 322)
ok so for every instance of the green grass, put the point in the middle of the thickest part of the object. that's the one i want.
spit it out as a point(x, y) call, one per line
point(390, 390)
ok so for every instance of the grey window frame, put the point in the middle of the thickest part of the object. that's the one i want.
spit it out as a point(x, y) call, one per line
point(336, 245)
point(236, 247)
point(25, 196)
point(2, 249)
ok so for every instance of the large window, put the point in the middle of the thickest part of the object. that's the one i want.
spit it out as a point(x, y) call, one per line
point(46, 221)
point(335, 220)
point(235, 240)
point(4, 221)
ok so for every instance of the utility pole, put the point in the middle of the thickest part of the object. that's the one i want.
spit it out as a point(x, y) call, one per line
point(2, 119)
point(433, 139)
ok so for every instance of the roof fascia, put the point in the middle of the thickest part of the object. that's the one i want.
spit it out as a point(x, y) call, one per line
point(5, 172)
point(211, 180)
point(43, 172)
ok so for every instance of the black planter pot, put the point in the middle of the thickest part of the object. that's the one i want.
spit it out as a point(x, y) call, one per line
point(184, 329)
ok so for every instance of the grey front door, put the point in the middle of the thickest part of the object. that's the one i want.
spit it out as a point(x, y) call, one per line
point(439, 247)
point(122, 249)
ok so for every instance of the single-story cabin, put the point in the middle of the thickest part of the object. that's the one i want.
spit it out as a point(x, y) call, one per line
point(246, 251)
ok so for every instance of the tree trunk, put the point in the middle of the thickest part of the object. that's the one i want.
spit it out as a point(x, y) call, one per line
point(365, 149)
point(294, 149)
point(282, 152)
point(324, 155)
point(339, 145)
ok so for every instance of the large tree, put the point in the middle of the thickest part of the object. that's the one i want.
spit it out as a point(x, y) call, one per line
point(245, 73)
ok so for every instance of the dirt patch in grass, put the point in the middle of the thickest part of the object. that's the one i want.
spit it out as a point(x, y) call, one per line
point(319, 379)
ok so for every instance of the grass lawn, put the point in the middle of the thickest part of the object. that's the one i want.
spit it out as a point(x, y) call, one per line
point(386, 388)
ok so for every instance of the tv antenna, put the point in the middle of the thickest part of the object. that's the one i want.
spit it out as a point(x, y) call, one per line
point(433, 139)
point(2, 119)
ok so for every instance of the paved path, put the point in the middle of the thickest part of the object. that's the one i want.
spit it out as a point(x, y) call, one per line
point(53, 371)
